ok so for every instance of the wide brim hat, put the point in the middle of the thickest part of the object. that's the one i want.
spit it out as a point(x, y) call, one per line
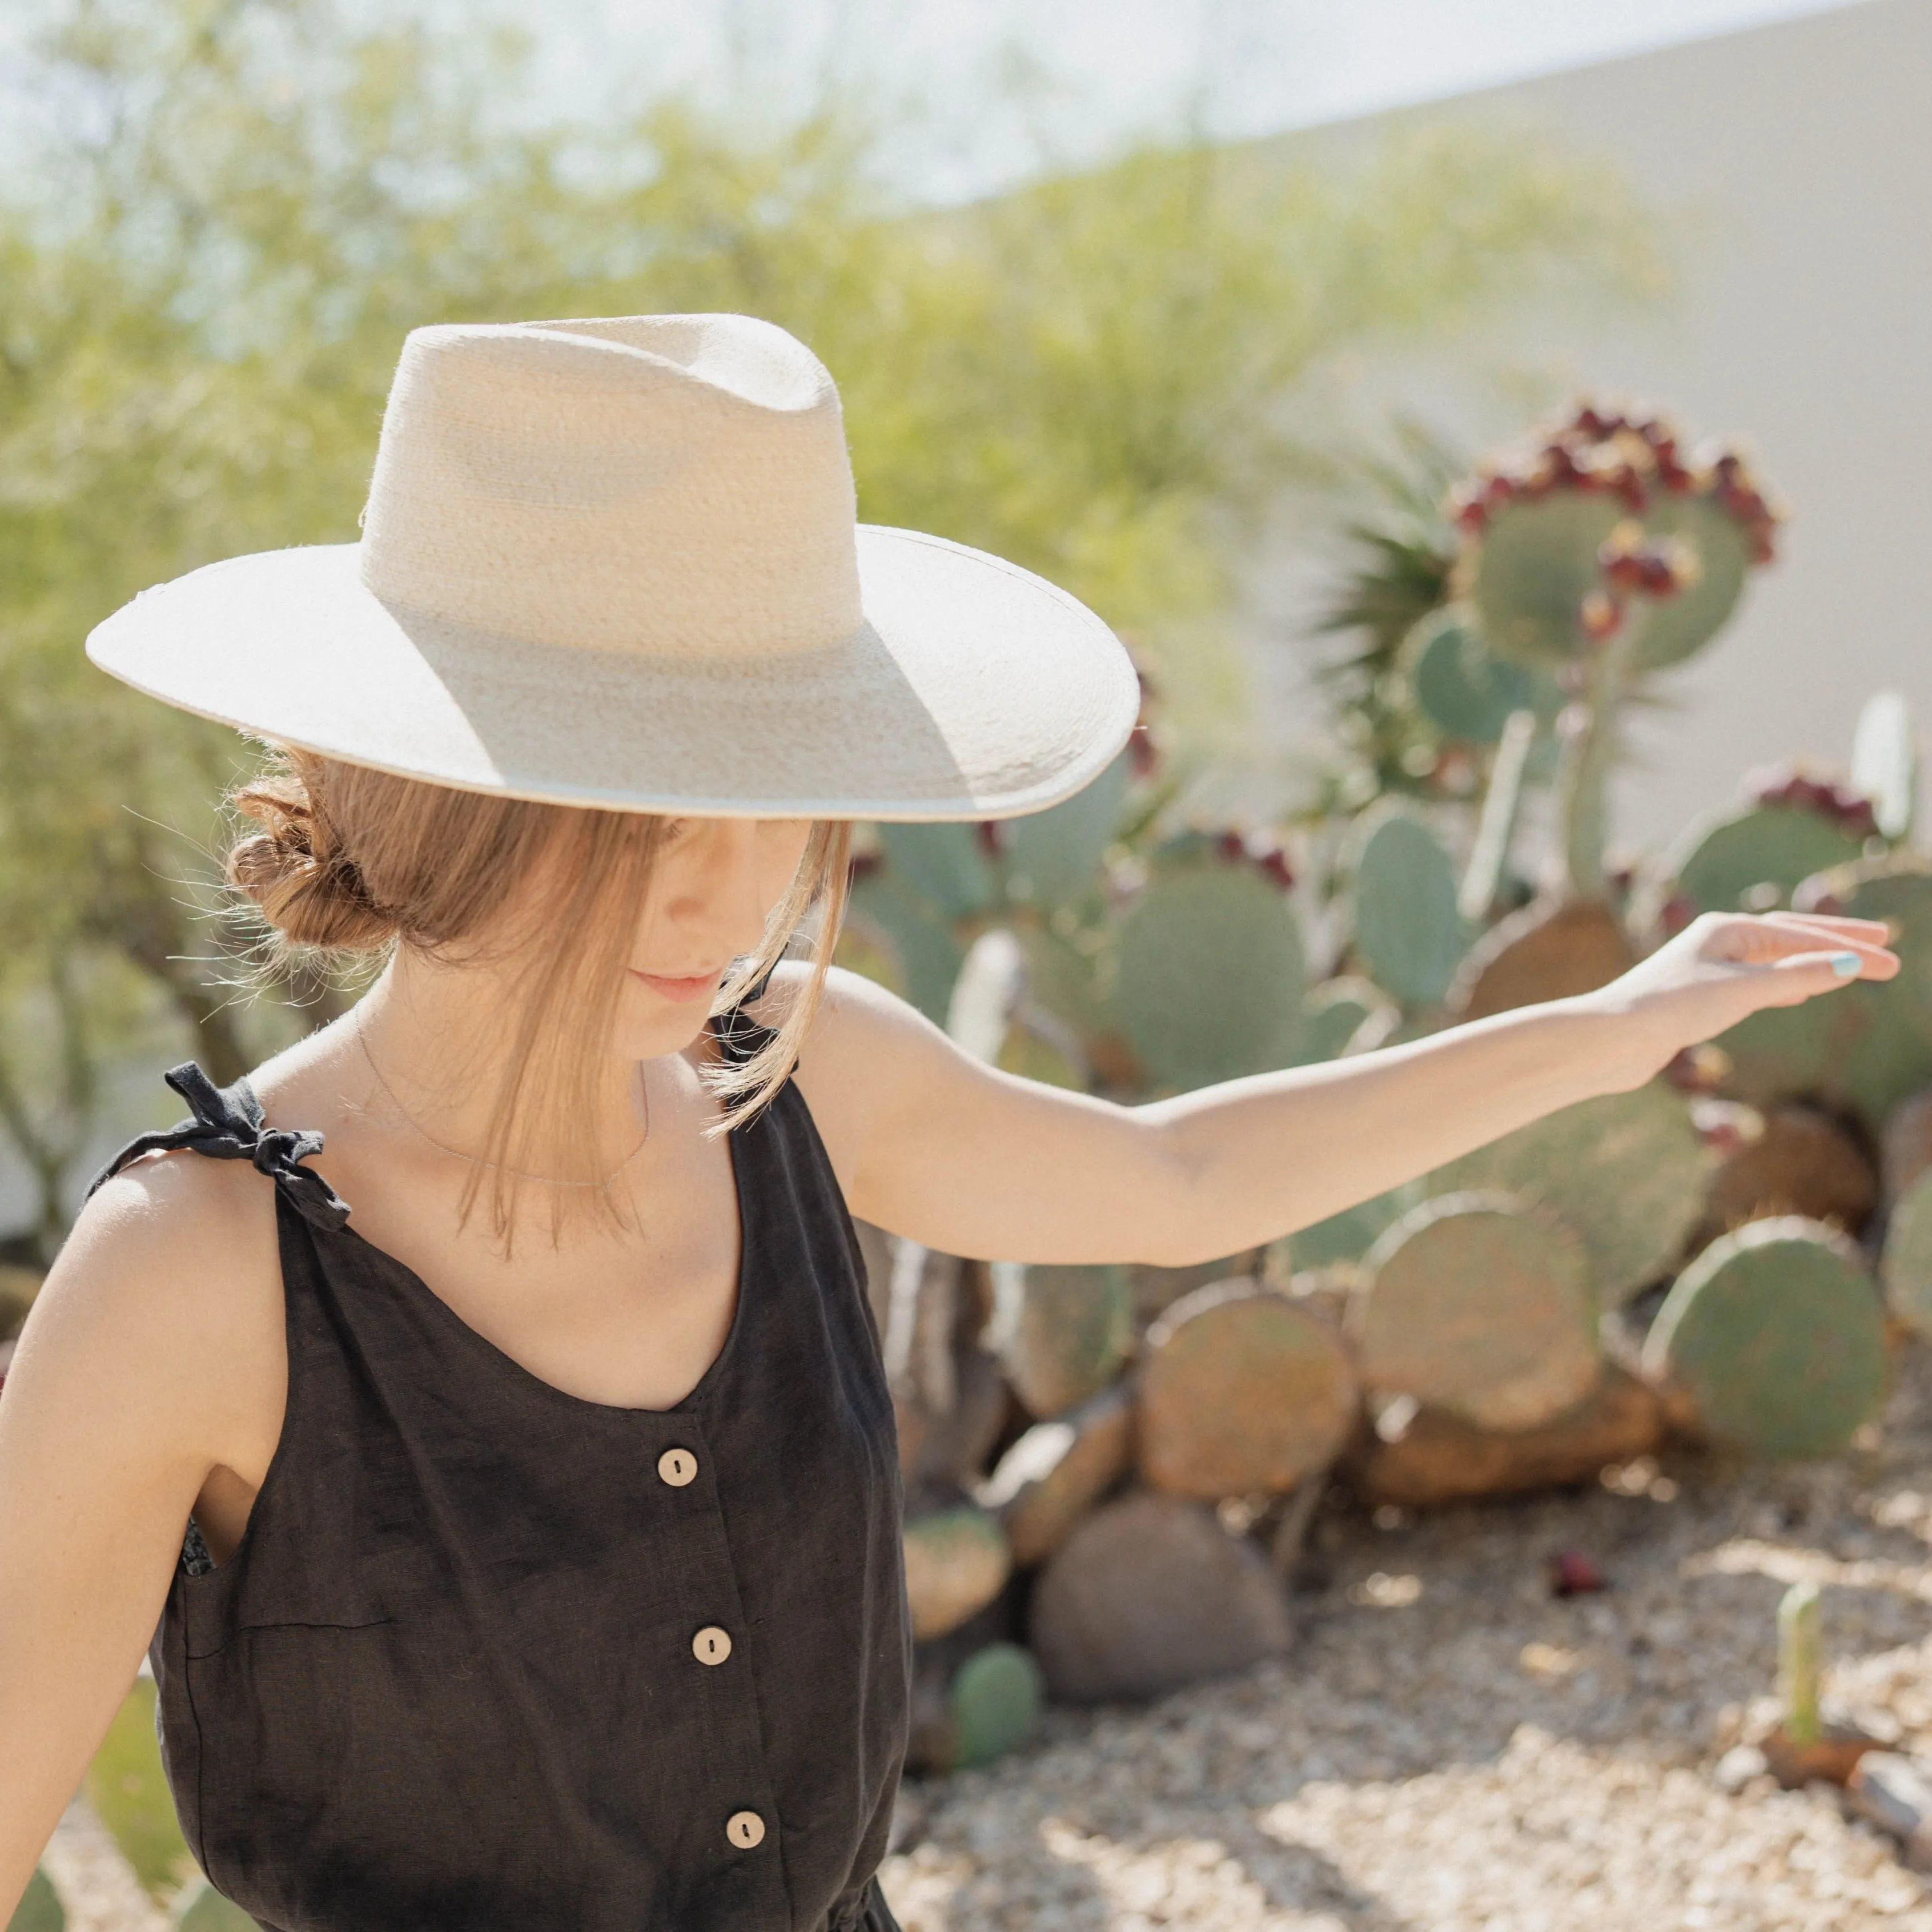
point(616, 563)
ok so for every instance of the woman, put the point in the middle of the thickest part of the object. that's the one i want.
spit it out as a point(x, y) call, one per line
point(501, 1348)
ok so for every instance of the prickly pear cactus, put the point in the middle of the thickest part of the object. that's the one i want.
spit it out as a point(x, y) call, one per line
point(1345, 1012)
point(1775, 1338)
point(1905, 1267)
point(1725, 548)
point(956, 1562)
point(1241, 1392)
point(1752, 859)
point(996, 1701)
point(1053, 857)
point(1346, 1237)
point(1478, 1305)
point(1061, 1334)
point(1408, 933)
point(1536, 565)
point(923, 953)
point(1209, 976)
point(1465, 692)
point(1626, 1172)
point(39, 1909)
point(950, 867)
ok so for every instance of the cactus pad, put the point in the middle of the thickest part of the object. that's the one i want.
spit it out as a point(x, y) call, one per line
point(1477, 1305)
point(1347, 1237)
point(1683, 625)
point(1408, 933)
point(1241, 1392)
point(39, 1909)
point(1535, 565)
point(1775, 1338)
point(996, 1700)
point(956, 1563)
point(1053, 857)
point(1340, 1012)
point(1774, 846)
point(1049, 1479)
point(1061, 1334)
point(1905, 1267)
point(947, 867)
point(1465, 692)
point(1626, 1172)
point(924, 955)
point(1551, 949)
point(1885, 764)
point(1209, 976)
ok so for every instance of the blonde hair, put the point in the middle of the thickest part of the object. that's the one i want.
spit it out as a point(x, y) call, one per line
point(348, 864)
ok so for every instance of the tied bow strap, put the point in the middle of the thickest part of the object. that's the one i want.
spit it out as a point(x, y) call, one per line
point(227, 1124)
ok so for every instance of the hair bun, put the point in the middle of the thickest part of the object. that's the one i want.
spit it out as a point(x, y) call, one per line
point(295, 870)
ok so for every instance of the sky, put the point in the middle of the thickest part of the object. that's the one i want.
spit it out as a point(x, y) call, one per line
point(1092, 73)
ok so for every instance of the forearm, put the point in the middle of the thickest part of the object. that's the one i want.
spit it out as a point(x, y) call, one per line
point(1253, 1159)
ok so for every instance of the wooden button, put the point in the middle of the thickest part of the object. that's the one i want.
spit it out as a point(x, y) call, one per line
point(711, 1645)
point(678, 1467)
point(744, 1829)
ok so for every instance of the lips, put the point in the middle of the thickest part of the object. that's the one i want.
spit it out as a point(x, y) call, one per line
point(681, 990)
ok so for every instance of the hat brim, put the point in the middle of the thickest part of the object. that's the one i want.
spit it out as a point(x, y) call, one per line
point(973, 689)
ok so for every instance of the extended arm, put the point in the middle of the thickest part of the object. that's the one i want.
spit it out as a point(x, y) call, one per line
point(967, 1159)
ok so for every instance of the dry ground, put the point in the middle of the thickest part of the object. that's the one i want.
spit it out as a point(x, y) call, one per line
point(1449, 1746)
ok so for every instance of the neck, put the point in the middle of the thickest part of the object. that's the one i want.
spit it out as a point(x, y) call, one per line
point(439, 1050)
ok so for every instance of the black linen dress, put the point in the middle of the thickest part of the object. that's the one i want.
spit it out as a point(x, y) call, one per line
point(492, 1658)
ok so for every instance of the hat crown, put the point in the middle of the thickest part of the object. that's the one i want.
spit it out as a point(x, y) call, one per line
point(666, 485)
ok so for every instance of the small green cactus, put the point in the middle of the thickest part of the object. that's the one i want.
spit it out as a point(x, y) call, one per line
point(1799, 1662)
point(1061, 1334)
point(39, 1909)
point(1208, 974)
point(925, 953)
point(996, 1701)
point(1466, 693)
point(1626, 1172)
point(1906, 1266)
point(1478, 1305)
point(1408, 933)
point(1775, 1338)
point(1052, 858)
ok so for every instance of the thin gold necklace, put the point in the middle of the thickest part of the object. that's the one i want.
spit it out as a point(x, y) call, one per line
point(476, 1160)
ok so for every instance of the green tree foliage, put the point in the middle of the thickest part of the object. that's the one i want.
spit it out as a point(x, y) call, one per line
point(204, 283)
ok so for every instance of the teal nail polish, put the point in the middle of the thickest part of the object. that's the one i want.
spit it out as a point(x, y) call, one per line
point(1844, 964)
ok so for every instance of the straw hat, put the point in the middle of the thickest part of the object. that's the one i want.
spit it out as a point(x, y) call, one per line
point(615, 563)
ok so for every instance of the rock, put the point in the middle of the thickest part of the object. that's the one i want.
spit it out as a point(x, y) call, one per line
point(1738, 1766)
point(956, 1562)
point(1893, 1791)
point(1547, 951)
point(1438, 1459)
point(1150, 1593)
point(1804, 1162)
point(1049, 1479)
point(1241, 1392)
point(1830, 1758)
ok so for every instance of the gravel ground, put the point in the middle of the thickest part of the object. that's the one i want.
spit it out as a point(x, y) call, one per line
point(1450, 1746)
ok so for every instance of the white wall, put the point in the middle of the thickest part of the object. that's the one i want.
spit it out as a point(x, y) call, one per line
point(1803, 152)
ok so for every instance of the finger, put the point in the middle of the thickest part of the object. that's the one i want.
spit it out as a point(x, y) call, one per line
point(1803, 976)
point(1770, 937)
point(1869, 929)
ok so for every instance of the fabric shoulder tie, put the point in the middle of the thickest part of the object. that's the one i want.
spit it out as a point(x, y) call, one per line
point(226, 1124)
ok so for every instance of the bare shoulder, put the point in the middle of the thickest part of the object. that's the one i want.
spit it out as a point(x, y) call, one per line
point(167, 1301)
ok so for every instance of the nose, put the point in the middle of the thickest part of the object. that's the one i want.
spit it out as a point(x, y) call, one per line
point(717, 898)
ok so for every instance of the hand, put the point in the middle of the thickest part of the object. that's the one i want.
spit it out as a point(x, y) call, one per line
point(1725, 966)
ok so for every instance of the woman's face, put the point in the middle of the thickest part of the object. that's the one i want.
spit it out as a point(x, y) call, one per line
point(716, 883)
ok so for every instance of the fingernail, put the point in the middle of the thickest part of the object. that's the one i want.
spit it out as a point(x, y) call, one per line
point(1845, 964)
